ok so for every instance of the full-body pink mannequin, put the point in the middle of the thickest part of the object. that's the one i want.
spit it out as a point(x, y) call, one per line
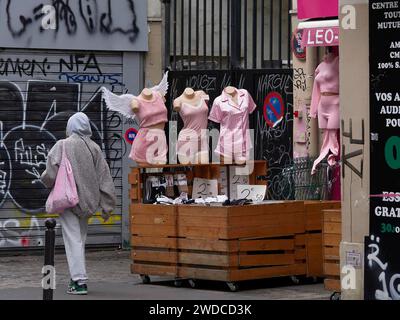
point(325, 105)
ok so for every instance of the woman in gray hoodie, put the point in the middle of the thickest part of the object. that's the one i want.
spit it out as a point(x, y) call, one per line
point(95, 190)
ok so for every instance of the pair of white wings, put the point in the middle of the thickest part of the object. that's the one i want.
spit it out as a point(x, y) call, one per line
point(123, 103)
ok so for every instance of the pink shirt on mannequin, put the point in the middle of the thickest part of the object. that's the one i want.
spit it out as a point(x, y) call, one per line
point(326, 80)
point(234, 137)
point(150, 113)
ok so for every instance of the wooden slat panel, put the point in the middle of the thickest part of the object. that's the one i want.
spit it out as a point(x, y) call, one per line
point(314, 255)
point(150, 230)
point(204, 274)
point(266, 260)
point(203, 211)
point(154, 256)
point(219, 222)
point(331, 253)
point(332, 240)
point(154, 270)
point(332, 228)
point(154, 242)
point(300, 240)
point(208, 259)
point(264, 245)
point(133, 177)
point(331, 269)
point(332, 215)
point(267, 218)
point(281, 208)
point(151, 209)
point(318, 206)
point(294, 223)
point(203, 233)
point(154, 219)
point(269, 272)
point(186, 244)
point(300, 254)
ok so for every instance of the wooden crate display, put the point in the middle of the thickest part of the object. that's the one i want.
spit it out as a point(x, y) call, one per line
point(219, 243)
point(313, 223)
point(332, 235)
point(210, 171)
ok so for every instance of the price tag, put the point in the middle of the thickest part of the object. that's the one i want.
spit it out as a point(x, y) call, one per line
point(255, 193)
point(203, 188)
point(236, 180)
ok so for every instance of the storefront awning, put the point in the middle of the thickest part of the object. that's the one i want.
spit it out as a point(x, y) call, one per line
point(320, 33)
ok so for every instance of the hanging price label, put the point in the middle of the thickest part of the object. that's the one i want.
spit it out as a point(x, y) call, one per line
point(203, 188)
point(255, 193)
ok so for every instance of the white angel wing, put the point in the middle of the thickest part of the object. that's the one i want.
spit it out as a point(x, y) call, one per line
point(120, 104)
point(163, 86)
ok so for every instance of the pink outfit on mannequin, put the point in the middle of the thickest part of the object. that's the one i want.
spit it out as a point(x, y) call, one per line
point(195, 119)
point(325, 104)
point(150, 114)
point(234, 140)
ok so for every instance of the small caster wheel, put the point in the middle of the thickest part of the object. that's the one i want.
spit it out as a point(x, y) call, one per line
point(145, 279)
point(192, 283)
point(335, 296)
point(234, 287)
point(178, 283)
point(295, 279)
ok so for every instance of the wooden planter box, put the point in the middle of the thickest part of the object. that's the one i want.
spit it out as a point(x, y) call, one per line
point(314, 224)
point(332, 235)
point(231, 244)
point(219, 243)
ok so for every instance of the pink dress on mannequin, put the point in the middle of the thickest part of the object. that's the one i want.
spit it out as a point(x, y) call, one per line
point(193, 137)
point(150, 145)
point(327, 107)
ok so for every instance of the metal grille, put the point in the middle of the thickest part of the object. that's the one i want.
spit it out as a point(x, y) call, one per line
point(307, 186)
point(39, 90)
point(227, 34)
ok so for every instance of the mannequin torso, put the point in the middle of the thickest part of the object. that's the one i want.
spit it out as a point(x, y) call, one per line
point(147, 97)
point(232, 92)
point(189, 96)
point(193, 109)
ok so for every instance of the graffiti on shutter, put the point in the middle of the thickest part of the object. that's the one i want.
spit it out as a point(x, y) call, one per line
point(39, 90)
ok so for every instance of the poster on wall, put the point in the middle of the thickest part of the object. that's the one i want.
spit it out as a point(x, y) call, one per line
point(385, 133)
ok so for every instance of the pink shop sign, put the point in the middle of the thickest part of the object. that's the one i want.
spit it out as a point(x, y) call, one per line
point(310, 9)
point(319, 37)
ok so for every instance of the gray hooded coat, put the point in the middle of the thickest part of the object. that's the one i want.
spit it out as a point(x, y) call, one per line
point(92, 175)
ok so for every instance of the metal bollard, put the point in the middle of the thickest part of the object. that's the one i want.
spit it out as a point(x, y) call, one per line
point(49, 249)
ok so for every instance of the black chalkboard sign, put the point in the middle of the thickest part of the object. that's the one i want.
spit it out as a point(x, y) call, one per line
point(382, 259)
point(385, 118)
point(272, 91)
point(382, 268)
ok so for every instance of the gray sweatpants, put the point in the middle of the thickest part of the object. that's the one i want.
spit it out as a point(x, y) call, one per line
point(74, 231)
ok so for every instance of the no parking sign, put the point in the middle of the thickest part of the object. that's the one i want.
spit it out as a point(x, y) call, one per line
point(274, 109)
point(130, 135)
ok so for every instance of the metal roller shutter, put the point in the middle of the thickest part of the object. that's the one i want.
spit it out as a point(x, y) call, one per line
point(38, 91)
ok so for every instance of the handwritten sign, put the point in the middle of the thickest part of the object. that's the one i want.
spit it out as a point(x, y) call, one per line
point(203, 188)
point(234, 181)
point(255, 193)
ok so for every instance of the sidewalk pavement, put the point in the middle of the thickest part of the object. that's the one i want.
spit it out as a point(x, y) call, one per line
point(110, 279)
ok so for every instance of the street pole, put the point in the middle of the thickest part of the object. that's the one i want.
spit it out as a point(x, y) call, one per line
point(49, 249)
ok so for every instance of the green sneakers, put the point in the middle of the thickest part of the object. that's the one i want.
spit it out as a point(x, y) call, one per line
point(77, 289)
